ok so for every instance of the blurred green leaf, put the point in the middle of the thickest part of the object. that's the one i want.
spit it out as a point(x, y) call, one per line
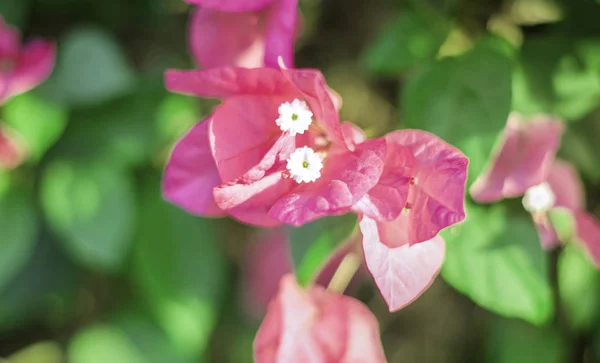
point(513, 341)
point(91, 207)
point(39, 122)
point(41, 352)
point(464, 100)
point(91, 68)
point(176, 115)
point(563, 223)
point(179, 269)
point(411, 38)
point(314, 243)
point(41, 288)
point(580, 146)
point(18, 232)
point(577, 88)
point(15, 12)
point(579, 287)
point(498, 262)
point(119, 132)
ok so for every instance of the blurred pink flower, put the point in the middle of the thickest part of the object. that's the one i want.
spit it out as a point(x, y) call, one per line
point(523, 158)
point(239, 154)
point(317, 326)
point(245, 33)
point(22, 67)
point(12, 153)
point(525, 165)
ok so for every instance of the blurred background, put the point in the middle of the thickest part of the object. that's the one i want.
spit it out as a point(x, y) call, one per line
point(95, 267)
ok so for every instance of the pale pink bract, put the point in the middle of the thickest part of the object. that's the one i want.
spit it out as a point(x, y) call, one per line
point(317, 326)
point(22, 67)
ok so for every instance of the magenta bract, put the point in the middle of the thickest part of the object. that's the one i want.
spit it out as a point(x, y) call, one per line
point(22, 67)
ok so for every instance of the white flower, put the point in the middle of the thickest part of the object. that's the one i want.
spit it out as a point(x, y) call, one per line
point(305, 165)
point(539, 198)
point(294, 117)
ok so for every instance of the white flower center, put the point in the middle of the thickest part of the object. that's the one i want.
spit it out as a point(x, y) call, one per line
point(294, 117)
point(305, 165)
point(539, 198)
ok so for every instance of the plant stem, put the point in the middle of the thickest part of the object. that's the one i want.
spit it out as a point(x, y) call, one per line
point(344, 273)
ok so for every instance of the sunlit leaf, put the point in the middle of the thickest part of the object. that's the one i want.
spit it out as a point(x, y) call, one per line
point(411, 38)
point(498, 262)
point(179, 269)
point(91, 68)
point(91, 208)
point(464, 100)
point(176, 114)
point(577, 87)
point(513, 341)
point(42, 352)
point(18, 232)
point(38, 122)
point(579, 287)
point(314, 243)
point(563, 223)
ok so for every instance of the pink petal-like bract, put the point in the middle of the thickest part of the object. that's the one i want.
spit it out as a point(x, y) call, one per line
point(22, 67)
point(232, 5)
point(250, 151)
point(588, 233)
point(402, 273)
point(245, 34)
point(345, 179)
point(522, 161)
point(191, 174)
point(317, 326)
point(436, 173)
point(566, 185)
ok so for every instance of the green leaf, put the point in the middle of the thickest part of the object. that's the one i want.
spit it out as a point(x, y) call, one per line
point(91, 68)
point(577, 87)
point(411, 38)
point(41, 352)
point(39, 122)
point(563, 223)
point(15, 12)
point(41, 289)
point(176, 114)
point(19, 229)
point(579, 287)
point(497, 261)
point(513, 341)
point(580, 146)
point(92, 208)
point(314, 243)
point(464, 100)
point(179, 269)
point(119, 132)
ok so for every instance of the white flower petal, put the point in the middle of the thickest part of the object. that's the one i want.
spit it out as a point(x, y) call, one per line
point(305, 165)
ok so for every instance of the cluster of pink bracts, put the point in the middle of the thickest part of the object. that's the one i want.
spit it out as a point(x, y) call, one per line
point(22, 67)
point(274, 152)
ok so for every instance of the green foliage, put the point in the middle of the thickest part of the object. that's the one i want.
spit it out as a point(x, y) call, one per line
point(563, 223)
point(313, 244)
point(464, 100)
point(179, 269)
point(129, 338)
point(91, 207)
point(91, 68)
point(413, 37)
point(18, 226)
point(497, 261)
point(513, 341)
point(579, 288)
point(38, 122)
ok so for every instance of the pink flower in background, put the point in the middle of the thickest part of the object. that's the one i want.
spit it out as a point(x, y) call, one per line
point(243, 33)
point(522, 159)
point(12, 153)
point(255, 157)
point(525, 165)
point(317, 326)
point(22, 67)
